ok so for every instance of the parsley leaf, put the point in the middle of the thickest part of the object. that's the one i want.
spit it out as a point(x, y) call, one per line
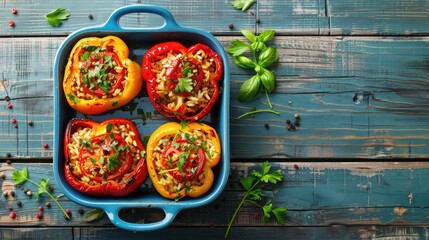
point(254, 193)
point(56, 17)
point(184, 85)
point(20, 177)
point(73, 98)
point(242, 5)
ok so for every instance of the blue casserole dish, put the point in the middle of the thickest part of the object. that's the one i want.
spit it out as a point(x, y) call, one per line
point(139, 40)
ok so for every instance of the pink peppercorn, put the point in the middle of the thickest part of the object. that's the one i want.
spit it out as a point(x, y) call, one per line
point(13, 120)
point(12, 215)
point(39, 215)
point(15, 125)
point(12, 24)
point(10, 106)
point(45, 145)
point(40, 208)
point(10, 208)
point(14, 11)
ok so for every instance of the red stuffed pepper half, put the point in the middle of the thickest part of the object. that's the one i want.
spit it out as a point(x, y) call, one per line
point(104, 159)
point(182, 82)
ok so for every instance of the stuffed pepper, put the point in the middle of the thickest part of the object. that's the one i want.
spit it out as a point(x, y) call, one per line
point(104, 159)
point(182, 82)
point(180, 159)
point(99, 76)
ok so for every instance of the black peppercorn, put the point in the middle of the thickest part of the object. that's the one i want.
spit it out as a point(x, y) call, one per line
point(80, 211)
point(266, 126)
point(296, 123)
point(292, 127)
point(8, 162)
point(18, 203)
point(230, 26)
point(288, 122)
point(90, 16)
point(7, 98)
point(257, 20)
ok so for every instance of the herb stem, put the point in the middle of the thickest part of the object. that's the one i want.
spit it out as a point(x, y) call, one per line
point(258, 111)
point(268, 99)
point(50, 195)
point(244, 199)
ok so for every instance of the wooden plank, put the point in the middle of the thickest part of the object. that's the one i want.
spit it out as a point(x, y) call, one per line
point(358, 97)
point(293, 17)
point(305, 233)
point(367, 17)
point(315, 194)
point(213, 16)
point(20, 233)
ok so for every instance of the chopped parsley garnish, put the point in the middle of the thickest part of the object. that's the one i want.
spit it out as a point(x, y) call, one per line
point(73, 98)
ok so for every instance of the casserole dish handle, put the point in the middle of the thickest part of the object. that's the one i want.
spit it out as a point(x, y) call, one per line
point(169, 22)
point(112, 211)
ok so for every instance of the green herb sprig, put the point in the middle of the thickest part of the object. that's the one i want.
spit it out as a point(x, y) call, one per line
point(56, 17)
point(255, 194)
point(20, 177)
point(242, 5)
point(263, 56)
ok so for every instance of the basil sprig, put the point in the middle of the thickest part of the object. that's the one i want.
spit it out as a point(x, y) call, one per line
point(261, 58)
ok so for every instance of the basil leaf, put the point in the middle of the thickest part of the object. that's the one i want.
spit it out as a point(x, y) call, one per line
point(258, 46)
point(268, 79)
point(268, 56)
point(237, 47)
point(244, 62)
point(250, 88)
point(93, 214)
point(265, 36)
point(249, 35)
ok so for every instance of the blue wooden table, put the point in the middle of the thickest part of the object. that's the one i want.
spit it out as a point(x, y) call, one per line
point(356, 71)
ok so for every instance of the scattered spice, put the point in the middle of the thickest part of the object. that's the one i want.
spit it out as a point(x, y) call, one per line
point(90, 16)
point(30, 123)
point(266, 126)
point(7, 98)
point(12, 24)
point(29, 193)
point(80, 211)
point(10, 106)
point(5, 194)
point(293, 127)
point(230, 26)
point(296, 123)
point(288, 127)
point(45, 145)
point(25, 190)
point(12, 194)
point(40, 208)
point(12, 215)
point(8, 162)
point(14, 11)
point(288, 122)
point(15, 125)
point(18, 203)
point(296, 166)
point(39, 215)
point(13, 120)
point(68, 215)
point(296, 116)
point(48, 204)
point(257, 20)
point(10, 208)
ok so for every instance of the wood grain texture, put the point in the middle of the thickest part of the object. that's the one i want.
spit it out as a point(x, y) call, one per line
point(213, 16)
point(315, 194)
point(367, 17)
point(358, 97)
point(41, 233)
